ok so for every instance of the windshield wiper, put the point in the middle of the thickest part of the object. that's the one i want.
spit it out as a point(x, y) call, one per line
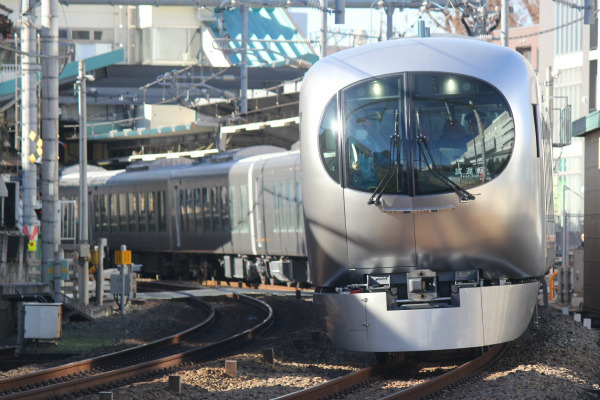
point(463, 194)
point(394, 165)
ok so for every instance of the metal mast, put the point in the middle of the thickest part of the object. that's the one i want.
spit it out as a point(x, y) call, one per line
point(49, 108)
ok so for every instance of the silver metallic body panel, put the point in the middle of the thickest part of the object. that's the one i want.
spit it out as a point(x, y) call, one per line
point(486, 316)
point(502, 231)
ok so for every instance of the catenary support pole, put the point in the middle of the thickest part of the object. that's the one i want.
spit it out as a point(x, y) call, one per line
point(83, 238)
point(504, 22)
point(323, 40)
point(49, 110)
point(29, 117)
point(244, 70)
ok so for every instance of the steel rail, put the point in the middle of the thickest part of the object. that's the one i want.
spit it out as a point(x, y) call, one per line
point(449, 378)
point(149, 367)
point(338, 385)
point(95, 363)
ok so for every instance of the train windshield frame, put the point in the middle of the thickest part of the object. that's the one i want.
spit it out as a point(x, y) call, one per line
point(448, 124)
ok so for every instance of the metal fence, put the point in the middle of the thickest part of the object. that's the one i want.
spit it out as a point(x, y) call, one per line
point(571, 237)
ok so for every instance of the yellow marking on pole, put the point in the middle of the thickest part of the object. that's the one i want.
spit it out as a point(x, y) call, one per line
point(32, 135)
point(32, 158)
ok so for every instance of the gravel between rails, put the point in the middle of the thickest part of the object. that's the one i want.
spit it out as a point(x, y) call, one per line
point(558, 359)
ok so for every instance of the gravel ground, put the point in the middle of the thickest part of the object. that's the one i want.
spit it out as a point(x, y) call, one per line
point(144, 322)
point(557, 359)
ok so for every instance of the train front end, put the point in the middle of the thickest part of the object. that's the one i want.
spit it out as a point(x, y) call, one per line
point(426, 188)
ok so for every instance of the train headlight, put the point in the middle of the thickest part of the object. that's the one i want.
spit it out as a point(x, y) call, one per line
point(376, 89)
point(450, 86)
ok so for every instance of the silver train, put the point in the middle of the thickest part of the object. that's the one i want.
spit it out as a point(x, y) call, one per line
point(427, 193)
point(237, 215)
point(421, 198)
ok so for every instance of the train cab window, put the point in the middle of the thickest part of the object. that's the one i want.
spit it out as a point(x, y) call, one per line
point(328, 139)
point(463, 129)
point(373, 113)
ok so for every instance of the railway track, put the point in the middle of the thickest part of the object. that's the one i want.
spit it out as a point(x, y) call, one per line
point(337, 387)
point(136, 363)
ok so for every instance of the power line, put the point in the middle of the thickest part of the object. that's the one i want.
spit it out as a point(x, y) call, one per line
point(542, 32)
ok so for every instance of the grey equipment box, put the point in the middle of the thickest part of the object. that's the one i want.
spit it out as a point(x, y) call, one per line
point(42, 320)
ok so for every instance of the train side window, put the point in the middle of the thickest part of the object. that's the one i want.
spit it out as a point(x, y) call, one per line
point(114, 209)
point(276, 207)
point(162, 215)
point(225, 218)
point(132, 212)
point(214, 201)
point(299, 215)
point(233, 207)
point(207, 210)
point(198, 207)
point(152, 212)
point(104, 211)
point(96, 213)
point(123, 219)
point(143, 217)
point(244, 208)
point(291, 207)
point(189, 205)
point(328, 139)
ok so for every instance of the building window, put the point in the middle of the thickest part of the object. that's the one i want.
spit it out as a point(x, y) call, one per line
point(81, 35)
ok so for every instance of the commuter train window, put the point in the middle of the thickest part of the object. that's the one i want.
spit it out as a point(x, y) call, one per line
point(123, 218)
point(373, 115)
point(234, 207)
point(132, 212)
point(96, 213)
point(104, 210)
point(214, 201)
point(291, 208)
point(463, 128)
point(114, 216)
point(182, 211)
point(189, 205)
point(143, 217)
point(198, 209)
point(276, 208)
point(225, 210)
point(244, 208)
point(207, 210)
point(328, 139)
point(299, 215)
point(162, 215)
point(151, 212)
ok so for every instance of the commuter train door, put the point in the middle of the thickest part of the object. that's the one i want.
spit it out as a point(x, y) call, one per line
point(378, 206)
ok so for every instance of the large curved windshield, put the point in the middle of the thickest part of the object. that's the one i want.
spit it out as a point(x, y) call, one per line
point(370, 111)
point(463, 128)
point(423, 133)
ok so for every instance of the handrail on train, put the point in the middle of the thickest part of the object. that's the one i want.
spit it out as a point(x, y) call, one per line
point(551, 287)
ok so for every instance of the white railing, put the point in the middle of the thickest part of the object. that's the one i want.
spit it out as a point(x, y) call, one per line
point(9, 72)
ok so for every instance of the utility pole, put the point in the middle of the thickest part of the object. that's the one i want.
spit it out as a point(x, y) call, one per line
point(504, 23)
point(244, 69)
point(49, 110)
point(323, 28)
point(390, 22)
point(29, 120)
point(83, 237)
